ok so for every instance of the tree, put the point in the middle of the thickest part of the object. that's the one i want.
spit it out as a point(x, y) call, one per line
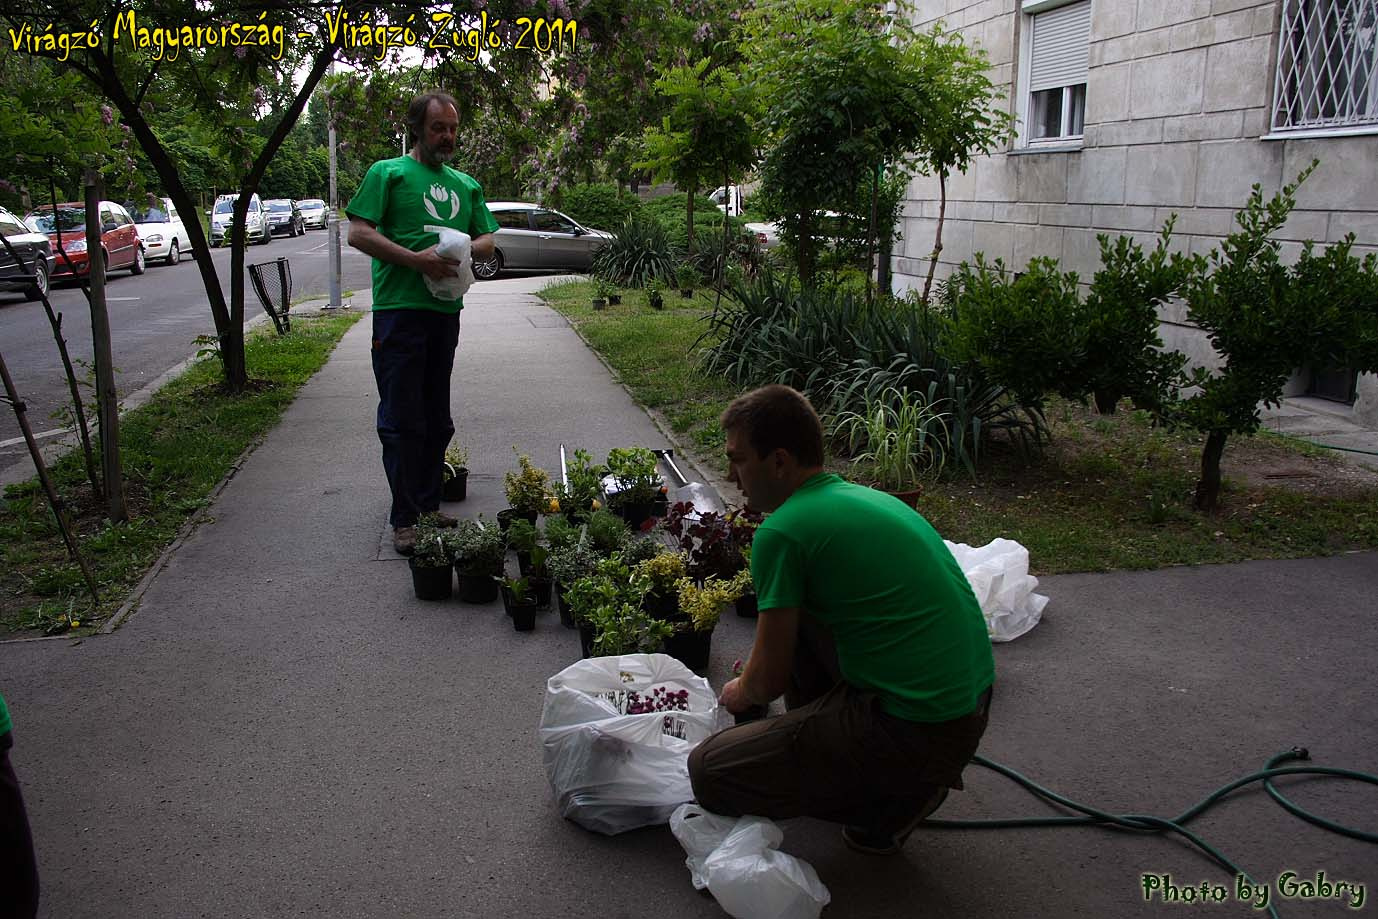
point(1266, 318)
point(707, 132)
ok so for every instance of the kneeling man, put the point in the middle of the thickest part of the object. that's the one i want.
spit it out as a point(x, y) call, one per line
point(869, 629)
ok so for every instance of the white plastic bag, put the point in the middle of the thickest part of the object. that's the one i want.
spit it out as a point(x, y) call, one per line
point(453, 245)
point(611, 771)
point(737, 859)
point(999, 576)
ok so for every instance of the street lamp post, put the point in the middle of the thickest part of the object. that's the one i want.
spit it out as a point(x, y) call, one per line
point(333, 241)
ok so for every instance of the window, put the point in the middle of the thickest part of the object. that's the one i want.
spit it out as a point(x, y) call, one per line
point(1327, 65)
point(1056, 45)
point(11, 227)
point(552, 222)
point(512, 220)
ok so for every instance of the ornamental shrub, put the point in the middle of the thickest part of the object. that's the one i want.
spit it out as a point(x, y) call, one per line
point(599, 206)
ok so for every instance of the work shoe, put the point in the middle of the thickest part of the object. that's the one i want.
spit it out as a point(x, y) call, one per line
point(874, 842)
point(404, 540)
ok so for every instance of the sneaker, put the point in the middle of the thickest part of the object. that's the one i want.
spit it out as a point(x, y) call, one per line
point(404, 540)
point(874, 842)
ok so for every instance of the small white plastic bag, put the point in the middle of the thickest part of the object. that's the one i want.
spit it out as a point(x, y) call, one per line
point(611, 771)
point(455, 246)
point(999, 576)
point(740, 864)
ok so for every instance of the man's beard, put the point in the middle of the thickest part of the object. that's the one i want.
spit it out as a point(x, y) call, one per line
point(435, 155)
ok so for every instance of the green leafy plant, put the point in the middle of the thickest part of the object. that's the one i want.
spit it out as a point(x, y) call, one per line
point(642, 250)
point(519, 589)
point(478, 548)
point(607, 532)
point(638, 548)
point(457, 455)
point(522, 535)
point(433, 549)
point(559, 532)
point(686, 276)
point(579, 498)
point(901, 434)
point(611, 600)
point(528, 489)
point(600, 206)
point(637, 479)
point(569, 563)
point(602, 290)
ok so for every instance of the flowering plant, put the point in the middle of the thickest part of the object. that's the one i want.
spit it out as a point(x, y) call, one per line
point(432, 549)
point(478, 548)
point(703, 606)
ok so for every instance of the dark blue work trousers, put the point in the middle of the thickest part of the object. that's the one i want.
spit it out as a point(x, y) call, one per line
point(413, 354)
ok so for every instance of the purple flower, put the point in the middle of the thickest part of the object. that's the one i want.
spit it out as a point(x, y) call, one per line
point(107, 117)
point(240, 51)
point(702, 32)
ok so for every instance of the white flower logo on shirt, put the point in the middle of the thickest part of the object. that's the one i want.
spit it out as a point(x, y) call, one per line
point(439, 193)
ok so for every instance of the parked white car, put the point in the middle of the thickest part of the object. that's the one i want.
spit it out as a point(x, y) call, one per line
point(161, 230)
point(313, 211)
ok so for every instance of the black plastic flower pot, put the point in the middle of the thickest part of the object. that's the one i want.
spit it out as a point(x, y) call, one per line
point(541, 589)
point(586, 638)
point(614, 299)
point(657, 302)
point(746, 606)
point(599, 303)
point(686, 294)
point(431, 583)
point(456, 486)
point(524, 617)
point(524, 563)
point(566, 619)
point(507, 515)
point(477, 588)
point(660, 506)
point(635, 514)
point(690, 648)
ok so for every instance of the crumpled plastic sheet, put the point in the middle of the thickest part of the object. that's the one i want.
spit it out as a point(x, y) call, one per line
point(999, 576)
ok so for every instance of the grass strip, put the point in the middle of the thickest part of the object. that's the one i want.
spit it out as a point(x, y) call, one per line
point(1109, 492)
point(175, 449)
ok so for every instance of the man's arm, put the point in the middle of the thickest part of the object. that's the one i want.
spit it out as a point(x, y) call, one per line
point(364, 236)
point(772, 658)
point(482, 247)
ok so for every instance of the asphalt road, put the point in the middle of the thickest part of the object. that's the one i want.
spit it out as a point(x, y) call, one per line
point(153, 319)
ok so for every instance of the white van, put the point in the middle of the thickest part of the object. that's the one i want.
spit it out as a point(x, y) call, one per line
point(728, 199)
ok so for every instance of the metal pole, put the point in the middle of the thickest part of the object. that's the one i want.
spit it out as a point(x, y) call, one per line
point(334, 232)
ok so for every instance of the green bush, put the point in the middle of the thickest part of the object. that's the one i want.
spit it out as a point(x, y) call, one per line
point(669, 210)
point(599, 206)
point(1023, 329)
point(743, 250)
point(641, 251)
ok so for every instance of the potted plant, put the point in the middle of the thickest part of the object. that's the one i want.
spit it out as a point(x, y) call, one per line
point(602, 290)
point(577, 497)
point(700, 608)
point(542, 583)
point(454, 477)
point(902, 436)
point(662, 573)
point(522, 538)
point(745, 590)
point(638, 484)
point(520, 604)
point(430, 564)
point(614, 296)
point(568, 564)
point(528, 491)
point(607, 607)
point(479, 550)
point(607, 532)
point(687, 278)
point(713, 542)
point(654, 297)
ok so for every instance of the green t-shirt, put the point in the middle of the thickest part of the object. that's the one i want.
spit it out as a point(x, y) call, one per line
point(4, 718)
point(402, 197)
point(863, 563)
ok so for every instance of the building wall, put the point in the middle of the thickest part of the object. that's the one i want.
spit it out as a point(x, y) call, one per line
point(1177, 103)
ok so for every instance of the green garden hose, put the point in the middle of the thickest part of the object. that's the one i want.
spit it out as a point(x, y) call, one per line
point(1150, 824)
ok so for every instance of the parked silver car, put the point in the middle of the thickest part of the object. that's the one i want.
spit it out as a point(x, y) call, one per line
point(313, 213)
point(33, 248)
point(531, 236)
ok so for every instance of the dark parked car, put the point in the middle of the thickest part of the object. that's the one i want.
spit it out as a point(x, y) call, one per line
point(33, 249)
point(119, 239)
point(284, 217)
point(531, 236)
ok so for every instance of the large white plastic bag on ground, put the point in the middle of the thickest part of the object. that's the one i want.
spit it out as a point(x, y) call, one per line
point(737, 860)
point(453, 245)
point(610, 771)
point(999, 576)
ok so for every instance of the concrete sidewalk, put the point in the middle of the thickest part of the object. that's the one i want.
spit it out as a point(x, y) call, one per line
point(282, 730)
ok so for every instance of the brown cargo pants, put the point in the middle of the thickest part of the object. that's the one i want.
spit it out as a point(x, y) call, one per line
point(834, 755)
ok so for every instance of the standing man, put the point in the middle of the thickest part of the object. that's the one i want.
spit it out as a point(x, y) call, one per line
point(18, 869)
point(867, 626)
point(414, 333)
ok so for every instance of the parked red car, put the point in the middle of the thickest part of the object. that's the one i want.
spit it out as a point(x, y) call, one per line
point(119, 238)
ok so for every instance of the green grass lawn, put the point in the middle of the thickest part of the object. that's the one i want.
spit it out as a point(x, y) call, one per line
point(175, 450)
point(1108, 492)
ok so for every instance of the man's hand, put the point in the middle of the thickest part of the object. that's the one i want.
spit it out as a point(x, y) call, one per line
point(733, 698)
point(433, 266)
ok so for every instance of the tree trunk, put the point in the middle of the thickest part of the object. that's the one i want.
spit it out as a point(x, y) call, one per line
point(806, 244)
point(1208, 489)
point(689, 218)
point(938, 238)
point(107, 400)
point(871, 233)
